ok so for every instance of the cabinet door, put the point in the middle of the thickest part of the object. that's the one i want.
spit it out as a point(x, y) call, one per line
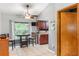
point(4, 48)
point(41, 25)
point(68, 34)
point(44, 39)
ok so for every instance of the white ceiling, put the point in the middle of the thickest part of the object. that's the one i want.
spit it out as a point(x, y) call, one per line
point(19, 8)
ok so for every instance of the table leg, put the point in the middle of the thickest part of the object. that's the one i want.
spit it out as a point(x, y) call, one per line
point(14, 43)
point(21, 41)
point(27, 43)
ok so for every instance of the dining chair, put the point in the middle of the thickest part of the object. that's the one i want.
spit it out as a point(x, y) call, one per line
point(32, 39)
point(24, 41)
point(12, 41)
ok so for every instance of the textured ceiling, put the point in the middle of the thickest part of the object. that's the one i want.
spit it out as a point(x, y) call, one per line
point(20, 8)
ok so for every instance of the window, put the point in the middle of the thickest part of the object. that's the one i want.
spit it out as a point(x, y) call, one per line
point(21, 29)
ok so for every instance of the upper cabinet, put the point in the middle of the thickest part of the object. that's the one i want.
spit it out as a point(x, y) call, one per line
point(42, 25)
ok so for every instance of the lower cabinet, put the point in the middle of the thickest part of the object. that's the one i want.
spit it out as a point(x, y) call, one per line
point(4, 47)
point(43, 39)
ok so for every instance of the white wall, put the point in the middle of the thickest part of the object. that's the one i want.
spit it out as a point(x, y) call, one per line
point(50, 14)
point(5, 21)
point(0, 23)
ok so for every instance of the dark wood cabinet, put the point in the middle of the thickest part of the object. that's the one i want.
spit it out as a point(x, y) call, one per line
point(42, 25)
point(43, 39)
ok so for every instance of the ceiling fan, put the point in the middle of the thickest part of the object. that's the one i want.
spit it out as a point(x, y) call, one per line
point(28, 15)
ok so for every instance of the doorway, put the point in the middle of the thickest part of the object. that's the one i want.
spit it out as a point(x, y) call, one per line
point(19, 28)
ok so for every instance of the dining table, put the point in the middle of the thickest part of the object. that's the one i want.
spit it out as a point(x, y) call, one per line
point(26, 37)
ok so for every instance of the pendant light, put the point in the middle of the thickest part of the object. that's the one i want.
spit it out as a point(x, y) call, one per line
point(27, 14)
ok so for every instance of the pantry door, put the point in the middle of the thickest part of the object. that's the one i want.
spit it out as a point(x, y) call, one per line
point(68, 34)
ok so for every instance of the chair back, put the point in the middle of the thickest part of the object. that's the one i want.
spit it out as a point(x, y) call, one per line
point(33, 34)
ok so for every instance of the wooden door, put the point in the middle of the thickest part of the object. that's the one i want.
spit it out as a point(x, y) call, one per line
point(68, 34)
point(78, 26)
